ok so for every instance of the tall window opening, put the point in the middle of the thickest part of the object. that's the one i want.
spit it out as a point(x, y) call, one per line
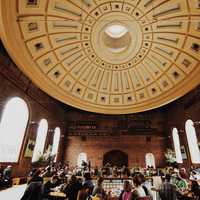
point(192, 142)
point(177, 146)
point(150, 160)
point(12, 129)
point(40, 140)
point(81, 157)
point(56, 140)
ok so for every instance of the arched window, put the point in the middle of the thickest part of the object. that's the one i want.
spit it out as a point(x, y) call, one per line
point(81, 157)
point(150, 160)
point(177, 146)
point(40, 140)
point(12, 129)
point(192, 141)
point(56, 139)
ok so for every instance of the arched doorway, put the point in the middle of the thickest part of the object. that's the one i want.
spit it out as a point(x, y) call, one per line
point(116, 158)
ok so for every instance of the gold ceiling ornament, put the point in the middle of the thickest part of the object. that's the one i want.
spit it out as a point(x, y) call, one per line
point(103, 56)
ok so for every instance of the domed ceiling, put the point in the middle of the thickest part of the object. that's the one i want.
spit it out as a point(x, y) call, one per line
point(103, 56)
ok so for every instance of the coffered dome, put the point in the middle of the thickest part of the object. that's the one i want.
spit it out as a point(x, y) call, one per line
point(106, 56)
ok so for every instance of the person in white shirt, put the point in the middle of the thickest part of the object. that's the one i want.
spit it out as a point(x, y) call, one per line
point(139, 191)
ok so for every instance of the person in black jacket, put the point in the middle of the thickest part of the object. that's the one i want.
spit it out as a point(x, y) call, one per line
point(72, 188)
point(34, 187)
point(34, 176)
point(33, 191)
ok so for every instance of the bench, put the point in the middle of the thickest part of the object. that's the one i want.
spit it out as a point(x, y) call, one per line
point(19, 180)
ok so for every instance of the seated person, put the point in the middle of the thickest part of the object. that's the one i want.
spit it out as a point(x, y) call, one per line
point(168, 191)
point(126, 193)
point(98, 189)
point(7, 179)
point(47, 172)
point(125, 171)
point(145, 184)
point(103, 171)
point(83, 193)
point(49, 186)
point(96, 171)
point(64, 185)
point(34, 176)
point(72, 188)
point(115, 171)
point(88, 181)
point(84, 165)
point(139, 192)
point(195, 189)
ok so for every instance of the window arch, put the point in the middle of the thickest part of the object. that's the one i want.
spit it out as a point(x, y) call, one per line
point(40, 140)
point(192, 141)
point(56, 140)
point(177, 146)
point(150, 160)
point(81, 157)
point(12, 129)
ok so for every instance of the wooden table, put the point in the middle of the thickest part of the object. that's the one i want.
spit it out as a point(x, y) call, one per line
point(57, 195)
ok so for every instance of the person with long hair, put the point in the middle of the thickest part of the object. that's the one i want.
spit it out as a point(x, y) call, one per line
point(98, 189)
point(139, 192)
point(126, 193)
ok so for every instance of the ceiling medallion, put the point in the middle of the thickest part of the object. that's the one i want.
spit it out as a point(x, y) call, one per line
point(103, 56)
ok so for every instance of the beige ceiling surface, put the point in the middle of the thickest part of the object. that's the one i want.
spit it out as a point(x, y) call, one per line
point(64, 46)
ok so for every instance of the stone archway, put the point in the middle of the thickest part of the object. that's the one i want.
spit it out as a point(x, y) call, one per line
point(116, 158)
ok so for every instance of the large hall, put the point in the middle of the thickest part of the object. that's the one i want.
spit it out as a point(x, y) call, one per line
point(99, 99)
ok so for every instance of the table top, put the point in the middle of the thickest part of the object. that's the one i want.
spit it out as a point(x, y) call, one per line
point(57, 194)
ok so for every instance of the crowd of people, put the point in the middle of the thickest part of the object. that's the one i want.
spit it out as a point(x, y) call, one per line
point(109, 171)
point(84, 183)
point(77, 188)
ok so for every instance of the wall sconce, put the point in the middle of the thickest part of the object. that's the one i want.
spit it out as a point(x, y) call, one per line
point(33, 122)
point(51, 130)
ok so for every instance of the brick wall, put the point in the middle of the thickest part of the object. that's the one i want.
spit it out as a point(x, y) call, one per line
point(14, 83)
point(96, 134)
point(135, 146)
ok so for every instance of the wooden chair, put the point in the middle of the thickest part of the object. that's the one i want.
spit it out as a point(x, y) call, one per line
point(16, 181)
